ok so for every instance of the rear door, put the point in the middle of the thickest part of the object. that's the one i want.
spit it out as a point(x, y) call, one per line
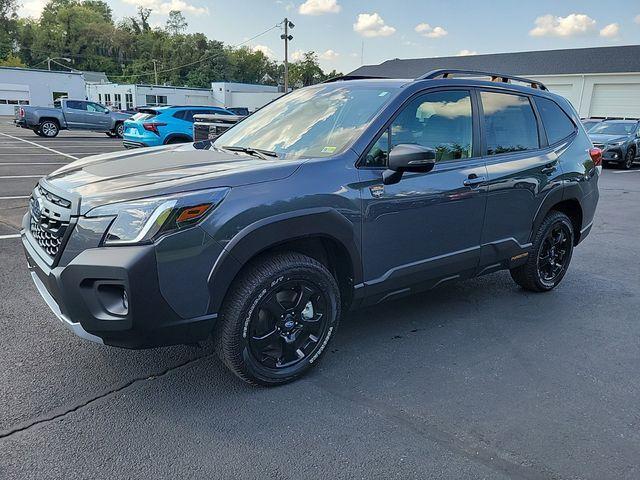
point(75, 113)
point(426, 227)
point(523, 168)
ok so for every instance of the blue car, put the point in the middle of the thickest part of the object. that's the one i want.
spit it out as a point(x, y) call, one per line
point(153, 126)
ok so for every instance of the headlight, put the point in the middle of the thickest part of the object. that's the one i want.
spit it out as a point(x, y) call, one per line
point(141, 221)
point(616, 144)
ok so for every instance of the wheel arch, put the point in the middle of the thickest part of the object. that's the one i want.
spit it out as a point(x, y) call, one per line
point(177, 136)
point(51, 119)
point(323, 234)
point(570, 206)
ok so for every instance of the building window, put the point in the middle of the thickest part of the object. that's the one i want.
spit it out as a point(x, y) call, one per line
point(99, 98)
point(129, 100)
point(107, 99)
point(57, 95)
point(118, 101)
point(156, 100)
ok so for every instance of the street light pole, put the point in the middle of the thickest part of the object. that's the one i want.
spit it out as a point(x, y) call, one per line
point(287, 38)
point(155, 70)
point(49, 60)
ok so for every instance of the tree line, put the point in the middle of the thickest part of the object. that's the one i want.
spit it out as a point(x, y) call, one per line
point(85, 32)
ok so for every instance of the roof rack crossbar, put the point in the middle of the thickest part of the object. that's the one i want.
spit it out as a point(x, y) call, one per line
point(495, 77)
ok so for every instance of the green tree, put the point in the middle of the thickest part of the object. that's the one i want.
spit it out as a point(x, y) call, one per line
point(12, 61)
point(8, 26)
point(176, 23)
point(306, 71)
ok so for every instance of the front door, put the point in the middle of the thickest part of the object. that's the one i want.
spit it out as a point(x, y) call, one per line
point(98, 117)
point(75, 114)
point(427, 227)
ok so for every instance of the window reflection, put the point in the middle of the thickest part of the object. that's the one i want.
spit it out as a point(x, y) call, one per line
point(510, 125)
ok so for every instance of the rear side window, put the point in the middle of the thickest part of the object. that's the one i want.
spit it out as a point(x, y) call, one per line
point(556, 123)
point(509, 122)
point(142, 116)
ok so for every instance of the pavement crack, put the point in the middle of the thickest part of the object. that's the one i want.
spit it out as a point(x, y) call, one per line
point(104, 394)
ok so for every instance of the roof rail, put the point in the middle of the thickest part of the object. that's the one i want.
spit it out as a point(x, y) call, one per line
point(344, 78)
point(495, 77)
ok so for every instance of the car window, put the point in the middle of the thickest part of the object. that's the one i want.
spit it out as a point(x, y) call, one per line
point(614, 128)
point(94, 107)
point(75, 105)
point(556, 123)
point(180, 114)
point(509, 122)
point(439, 120)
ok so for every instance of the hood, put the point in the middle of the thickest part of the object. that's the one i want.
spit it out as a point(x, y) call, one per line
point(140, 173)
point(603, 138)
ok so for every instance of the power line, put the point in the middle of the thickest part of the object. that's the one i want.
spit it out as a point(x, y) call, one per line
point(209, 57)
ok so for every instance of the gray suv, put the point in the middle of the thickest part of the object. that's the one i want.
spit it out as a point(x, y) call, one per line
point(619, 141)
point(335, 196)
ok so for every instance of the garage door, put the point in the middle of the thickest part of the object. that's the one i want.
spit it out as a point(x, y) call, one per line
point(565, 90)
point(12, 96)
point(616, 100)
point(197, 100)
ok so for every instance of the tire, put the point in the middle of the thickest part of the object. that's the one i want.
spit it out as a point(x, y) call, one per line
point(48, 129)
point(110, 134)
point(119, 130)
point(629, 158)
point(37, 131)
point(268, 317)
point(540, 274)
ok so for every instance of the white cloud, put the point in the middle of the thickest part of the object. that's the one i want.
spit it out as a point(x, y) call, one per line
point(164, 7)
point(319, 7)
point(466, 53)
point(428, 31)
point(372, 25)
point(264, 49)
point(329, 55)
point(569, 26)
point(32, 8)
point(286, 5)
point(297, 55)
point(610, 31)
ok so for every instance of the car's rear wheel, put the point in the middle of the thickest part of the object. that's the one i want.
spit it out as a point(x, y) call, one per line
point(37, 131)
point(550, 255)
point(49, 128)
point(629, 158)
point(278, 319)
point(119, 130)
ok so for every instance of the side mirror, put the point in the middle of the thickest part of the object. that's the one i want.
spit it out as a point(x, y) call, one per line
point(408, 157)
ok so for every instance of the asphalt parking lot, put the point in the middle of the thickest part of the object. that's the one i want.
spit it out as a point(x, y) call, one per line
point(476, 379)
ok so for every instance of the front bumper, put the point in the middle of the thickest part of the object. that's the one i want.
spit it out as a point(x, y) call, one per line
point(613, 154)
point(87, 296)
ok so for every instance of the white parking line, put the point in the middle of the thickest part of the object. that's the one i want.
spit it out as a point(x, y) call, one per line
point(8, 177)
point(16, 197)
point(6, 237)
point(32, 163)
point(38, 145)
point(626, 171)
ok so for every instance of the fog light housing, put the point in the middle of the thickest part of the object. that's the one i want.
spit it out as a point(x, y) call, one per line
point(114, 299)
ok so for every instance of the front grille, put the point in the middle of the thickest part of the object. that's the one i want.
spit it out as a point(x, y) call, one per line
point(49, 217)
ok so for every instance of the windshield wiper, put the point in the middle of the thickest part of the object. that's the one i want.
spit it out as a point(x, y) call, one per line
point(258, 152)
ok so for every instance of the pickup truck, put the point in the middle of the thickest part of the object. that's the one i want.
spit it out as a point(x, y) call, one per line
point(71, 115)
point(211, 126)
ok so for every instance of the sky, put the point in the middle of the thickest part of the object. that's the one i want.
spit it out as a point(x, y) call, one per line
point(346, 33)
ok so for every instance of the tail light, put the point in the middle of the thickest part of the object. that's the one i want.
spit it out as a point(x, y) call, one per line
point(596, 156)
point(153, 127)
point(21, 112)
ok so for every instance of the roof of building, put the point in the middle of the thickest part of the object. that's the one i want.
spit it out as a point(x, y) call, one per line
point(58, 72)
point(624, 59)
point(95, 77)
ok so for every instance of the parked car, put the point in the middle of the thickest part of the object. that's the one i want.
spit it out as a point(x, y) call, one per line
point(242, 111)
point(335, 196)
point(619, 141)
point(70, 115)
point(589, 123)
point(155, 126)
point(210, 127)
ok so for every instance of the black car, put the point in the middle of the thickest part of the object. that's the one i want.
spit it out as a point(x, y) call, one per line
point(619, 141)
point(335, 196)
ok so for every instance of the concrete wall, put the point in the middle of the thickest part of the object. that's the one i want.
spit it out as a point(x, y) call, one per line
point(582, 92)
point(174, 95)
point(36, 87)
point(251, 96)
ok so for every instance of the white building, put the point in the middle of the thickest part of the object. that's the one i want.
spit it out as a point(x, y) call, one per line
point(599, 82)
point(128, 96)
point(27, 86)
point(247, 95)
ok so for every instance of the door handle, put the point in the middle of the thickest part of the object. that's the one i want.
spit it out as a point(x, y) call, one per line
point(550, 168)
point(473, 180)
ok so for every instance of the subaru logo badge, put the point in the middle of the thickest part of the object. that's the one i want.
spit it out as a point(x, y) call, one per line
point(36, 209)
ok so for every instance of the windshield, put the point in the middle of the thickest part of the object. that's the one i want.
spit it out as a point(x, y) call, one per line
point(614, 128)
point(311, 122)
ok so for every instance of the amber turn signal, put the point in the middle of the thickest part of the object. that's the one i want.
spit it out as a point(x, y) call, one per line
point(192, 213)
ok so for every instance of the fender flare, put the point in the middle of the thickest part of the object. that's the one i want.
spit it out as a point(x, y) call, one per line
point(278, 229)
point(557, 195)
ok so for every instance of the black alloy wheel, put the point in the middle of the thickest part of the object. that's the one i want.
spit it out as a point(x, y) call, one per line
point(549, 256)
point(288, 323)
point(278, 318)
point(554, 253)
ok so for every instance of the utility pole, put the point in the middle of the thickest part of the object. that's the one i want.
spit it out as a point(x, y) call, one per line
point(287, 38)
point(155, 70)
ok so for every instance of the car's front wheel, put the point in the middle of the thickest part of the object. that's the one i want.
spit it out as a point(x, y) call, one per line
point(119, 130)
point(629, 158)
point(278, 318)
point(550, 255)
